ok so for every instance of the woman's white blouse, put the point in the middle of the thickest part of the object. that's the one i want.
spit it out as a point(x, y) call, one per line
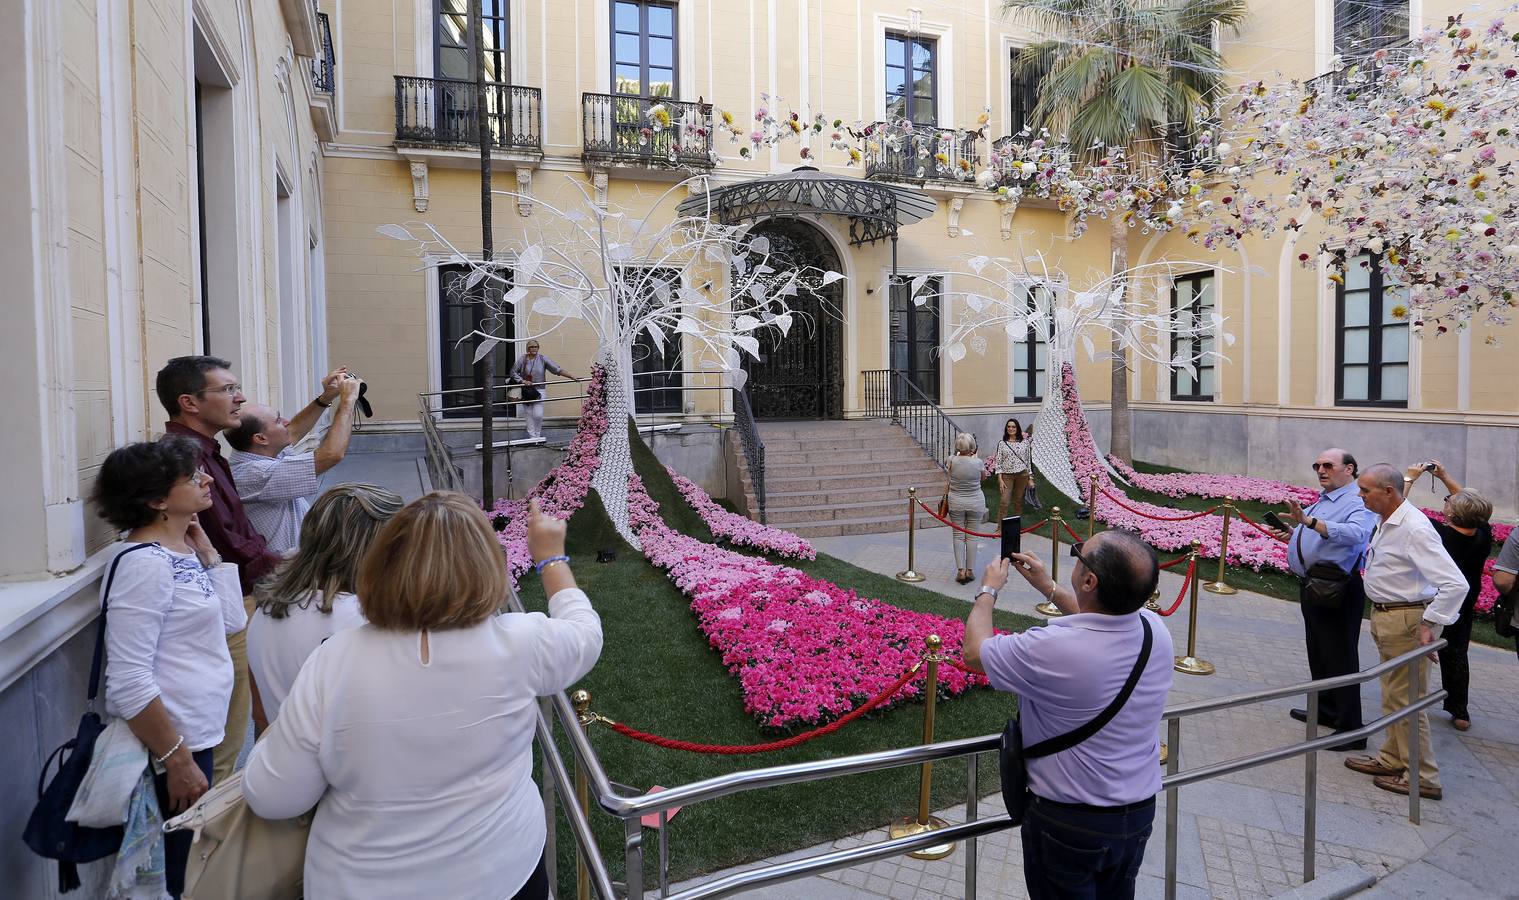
point(423, 770)
point(278, 647)
point(167, 623)
point(1014, 457)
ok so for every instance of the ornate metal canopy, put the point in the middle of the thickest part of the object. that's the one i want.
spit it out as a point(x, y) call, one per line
point(874, 209)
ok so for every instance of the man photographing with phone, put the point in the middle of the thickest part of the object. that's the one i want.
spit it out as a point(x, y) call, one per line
point(1323, 546)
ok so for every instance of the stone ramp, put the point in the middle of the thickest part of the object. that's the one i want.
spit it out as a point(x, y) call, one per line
point(851, 476)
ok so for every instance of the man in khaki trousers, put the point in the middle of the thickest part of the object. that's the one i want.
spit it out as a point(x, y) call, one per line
point(1415, 590)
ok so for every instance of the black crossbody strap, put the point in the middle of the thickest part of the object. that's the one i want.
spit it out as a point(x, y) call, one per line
point(105, 598)
point(1071, 738)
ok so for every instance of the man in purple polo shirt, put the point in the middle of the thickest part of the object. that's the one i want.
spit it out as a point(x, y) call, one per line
point(1093, 807)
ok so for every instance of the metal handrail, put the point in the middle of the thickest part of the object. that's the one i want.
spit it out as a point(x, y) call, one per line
point(630, 809)
point(891, 394)
point(753, 445)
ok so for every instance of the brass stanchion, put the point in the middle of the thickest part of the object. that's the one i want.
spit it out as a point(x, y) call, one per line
point(911, 825)
point(1092, 510)
point(1190, 664)
point(1220, 586)
point(911, 574)
point(1165, 753)
point(582, 703)
point(1048, 609)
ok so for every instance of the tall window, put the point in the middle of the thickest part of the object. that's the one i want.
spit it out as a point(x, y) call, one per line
point(1024, 91)
point(1371, 344)
point(1031, 359)
point(657, 382)
point(459, 309)
point(911, 80)
point(455, 56)
point(1362, 27)
point(1193, 302)
point(643, 48)
point(914, 339)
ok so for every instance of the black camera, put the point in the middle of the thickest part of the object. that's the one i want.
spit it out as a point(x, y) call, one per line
point(1429, 467)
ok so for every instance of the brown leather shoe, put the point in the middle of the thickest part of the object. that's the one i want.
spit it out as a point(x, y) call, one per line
point(1370, 765)
point(1399, 785)
point(1462, 724)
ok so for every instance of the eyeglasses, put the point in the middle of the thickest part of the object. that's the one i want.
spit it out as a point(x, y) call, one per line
point(1325, 466)
point(200, 478)
point(231, 390)
point(1076, 551)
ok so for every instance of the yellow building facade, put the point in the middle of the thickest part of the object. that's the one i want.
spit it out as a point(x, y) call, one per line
point(404, 153)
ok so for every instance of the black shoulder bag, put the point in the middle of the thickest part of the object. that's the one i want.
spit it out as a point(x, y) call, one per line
point(47, 832)
point(1014, 756)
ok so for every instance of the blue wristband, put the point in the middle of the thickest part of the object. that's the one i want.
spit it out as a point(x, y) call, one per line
point(552, 559)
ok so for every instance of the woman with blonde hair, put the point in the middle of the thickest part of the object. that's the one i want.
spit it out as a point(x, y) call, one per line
point(311, 596)
point(1468, 538)
point(967, 505)
point(412, 735)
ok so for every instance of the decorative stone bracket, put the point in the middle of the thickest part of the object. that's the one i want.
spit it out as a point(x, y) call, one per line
point(524, 191)
point(599, 183)
point(419, 186)
point(955, 206)
point(1008, 208)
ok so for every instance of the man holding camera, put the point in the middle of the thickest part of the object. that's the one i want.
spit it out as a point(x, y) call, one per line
point(276, 485)
point(1323, 548)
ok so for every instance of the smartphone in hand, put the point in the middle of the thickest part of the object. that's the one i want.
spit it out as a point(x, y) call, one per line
point(1012, 536)
point(1276, 521)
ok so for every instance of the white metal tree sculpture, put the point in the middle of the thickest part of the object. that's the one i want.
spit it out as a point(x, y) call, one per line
point(1015, 298)
point(687, 279)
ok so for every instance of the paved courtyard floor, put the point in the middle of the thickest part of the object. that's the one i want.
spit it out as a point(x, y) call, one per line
point(1240, 836)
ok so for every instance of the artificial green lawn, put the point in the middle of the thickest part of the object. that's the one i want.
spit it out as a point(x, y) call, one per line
point(1281, 585)
point(658, 674)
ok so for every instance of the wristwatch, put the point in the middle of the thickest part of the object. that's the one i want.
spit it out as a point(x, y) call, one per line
point(986, 590)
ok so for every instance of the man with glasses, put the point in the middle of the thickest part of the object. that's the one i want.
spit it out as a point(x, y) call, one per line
point(1322, 549)
point(203, 399)
point(1415, 590)
point(1093, 804)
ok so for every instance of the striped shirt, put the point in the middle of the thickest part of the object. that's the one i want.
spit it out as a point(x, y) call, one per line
point(276, 493)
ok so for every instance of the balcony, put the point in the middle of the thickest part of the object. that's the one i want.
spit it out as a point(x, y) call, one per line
point(324, 83)
point(925, 155)
point(443, 113)
point(646, 132)
point(1363, 70)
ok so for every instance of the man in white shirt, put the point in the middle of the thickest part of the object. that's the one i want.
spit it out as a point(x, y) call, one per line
point(276, 485)
point(1416, 590)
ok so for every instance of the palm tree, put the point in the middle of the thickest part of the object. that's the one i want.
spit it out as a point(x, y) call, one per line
point(1124, 75)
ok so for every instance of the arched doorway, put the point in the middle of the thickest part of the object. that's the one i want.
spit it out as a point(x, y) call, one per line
point(801, 376)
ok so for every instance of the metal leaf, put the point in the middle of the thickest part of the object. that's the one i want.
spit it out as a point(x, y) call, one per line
point(830, 278)
point(485, 346)
point(956, 351)
point(745, 323)
point(528, 262)
point(398, 232)
point(977, 263)
point(748, 344)
point(515, 295)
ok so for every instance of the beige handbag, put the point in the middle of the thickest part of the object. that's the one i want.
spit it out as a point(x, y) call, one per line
point(236, 853)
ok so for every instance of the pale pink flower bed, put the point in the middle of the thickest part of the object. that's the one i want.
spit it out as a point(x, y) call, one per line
point(1207, 484)
point(736, 529)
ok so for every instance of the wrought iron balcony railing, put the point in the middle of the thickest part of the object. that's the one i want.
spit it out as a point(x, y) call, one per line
point(444, 111)
point(324, 67)
point(924, 154)
point(650, 131)
point(1363, 69)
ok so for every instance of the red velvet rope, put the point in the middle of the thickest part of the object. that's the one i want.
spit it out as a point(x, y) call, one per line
point(1269, 534)
point(1176, 562)
point(788, 743)
point(957, 527)
point(1070, 531)
point(1186, 582)
point(1206, 512)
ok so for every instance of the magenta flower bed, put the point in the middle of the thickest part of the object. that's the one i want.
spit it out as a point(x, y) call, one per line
point(735, 529)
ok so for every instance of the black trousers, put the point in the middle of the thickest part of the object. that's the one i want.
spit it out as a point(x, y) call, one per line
point(537, 886)
point(177, 845)
point(1455, 670)
point(1334, 636)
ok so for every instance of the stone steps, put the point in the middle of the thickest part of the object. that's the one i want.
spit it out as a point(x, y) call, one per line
point(843, 477)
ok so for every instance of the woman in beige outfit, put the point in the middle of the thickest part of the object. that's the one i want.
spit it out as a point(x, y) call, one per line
point(1015, 467)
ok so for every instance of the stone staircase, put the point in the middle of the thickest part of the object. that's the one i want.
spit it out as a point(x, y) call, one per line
point(843, 477)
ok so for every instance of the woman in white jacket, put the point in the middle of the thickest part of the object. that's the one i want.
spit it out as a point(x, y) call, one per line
point(415, 731)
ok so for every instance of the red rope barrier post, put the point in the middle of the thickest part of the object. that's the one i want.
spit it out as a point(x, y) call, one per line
point(1220, 586)
point(911, 825)
point(582, 703)
point(911, 575)
point(1048, 609)
point(1092, 510)
point(1191, 664)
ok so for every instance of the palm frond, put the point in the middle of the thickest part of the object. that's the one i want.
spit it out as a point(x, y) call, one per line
point(1074, 79)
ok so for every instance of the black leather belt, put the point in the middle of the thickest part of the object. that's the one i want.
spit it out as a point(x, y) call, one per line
point(1388, 607)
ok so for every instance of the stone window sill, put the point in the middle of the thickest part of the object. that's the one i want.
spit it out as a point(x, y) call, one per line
point(39, 616)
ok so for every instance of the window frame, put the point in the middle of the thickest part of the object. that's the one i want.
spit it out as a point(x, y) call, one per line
point(504, 45)
point(1195, 307)
point(1026, 379)
point(1376, 9)
point(1019, 89)
point(643, 48)
point(933, 288)
point(1378, 306)
point(503, 353)
point(674, 344)
point(909, 97)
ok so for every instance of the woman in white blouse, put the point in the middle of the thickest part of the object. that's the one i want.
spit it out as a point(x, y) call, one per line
point(311, 596)
point(1015, 468)
point(171, 606)
point(415, 731)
